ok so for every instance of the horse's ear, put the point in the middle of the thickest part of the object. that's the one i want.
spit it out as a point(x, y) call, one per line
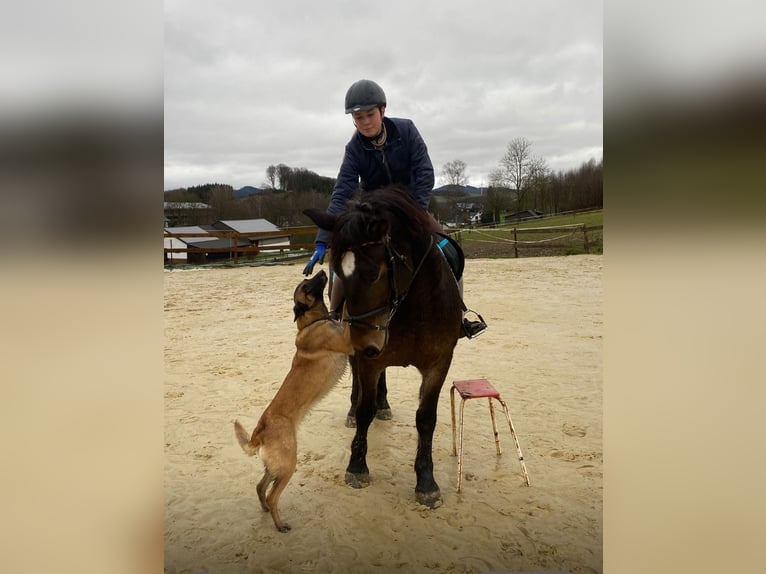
point(320, 218)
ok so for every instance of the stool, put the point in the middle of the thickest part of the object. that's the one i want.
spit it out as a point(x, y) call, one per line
point(477, 389)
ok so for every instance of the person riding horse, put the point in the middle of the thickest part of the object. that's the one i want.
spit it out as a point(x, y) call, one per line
point(383, 151)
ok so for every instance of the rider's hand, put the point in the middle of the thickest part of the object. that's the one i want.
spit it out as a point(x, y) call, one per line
point(318, 255)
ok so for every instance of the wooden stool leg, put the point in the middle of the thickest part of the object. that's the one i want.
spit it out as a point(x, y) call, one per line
point(460, 451)
point(452, 405)
point(516, 440)
point(494, 426)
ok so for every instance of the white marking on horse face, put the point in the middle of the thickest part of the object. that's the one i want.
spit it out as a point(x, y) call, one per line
point(348, 263)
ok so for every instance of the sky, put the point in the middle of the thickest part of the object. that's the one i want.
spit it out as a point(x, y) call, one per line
point(250, 84)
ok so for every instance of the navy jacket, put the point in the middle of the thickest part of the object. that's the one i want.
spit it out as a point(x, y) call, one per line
point(403, 160)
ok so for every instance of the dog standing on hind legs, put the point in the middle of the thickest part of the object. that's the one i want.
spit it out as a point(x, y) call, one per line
point(321, 356)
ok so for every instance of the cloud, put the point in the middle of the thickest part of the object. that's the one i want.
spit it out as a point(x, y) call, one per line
point(249, 84)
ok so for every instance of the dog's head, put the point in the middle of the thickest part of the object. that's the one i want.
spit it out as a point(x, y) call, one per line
point(309, 299)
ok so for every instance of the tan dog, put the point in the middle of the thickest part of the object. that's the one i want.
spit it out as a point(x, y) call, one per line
point(322, 346)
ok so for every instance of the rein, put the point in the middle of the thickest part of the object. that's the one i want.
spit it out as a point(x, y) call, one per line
point(397, 298)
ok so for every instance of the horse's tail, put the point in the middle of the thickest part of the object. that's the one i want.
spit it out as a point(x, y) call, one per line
point(249, 444)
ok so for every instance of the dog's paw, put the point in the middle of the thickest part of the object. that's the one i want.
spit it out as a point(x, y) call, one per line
point(284, 527)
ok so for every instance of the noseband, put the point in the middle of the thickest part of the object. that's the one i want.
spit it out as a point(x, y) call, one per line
point(395, 298)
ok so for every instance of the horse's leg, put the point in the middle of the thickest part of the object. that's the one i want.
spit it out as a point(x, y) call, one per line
point(357, 473)
point(426, 490)
point(351, 415)
point(381, 400)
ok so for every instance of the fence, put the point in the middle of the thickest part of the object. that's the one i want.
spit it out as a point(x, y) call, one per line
point(477, 242)
point(532, 241)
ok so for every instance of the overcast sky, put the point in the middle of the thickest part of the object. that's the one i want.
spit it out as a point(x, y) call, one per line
point(250, 83)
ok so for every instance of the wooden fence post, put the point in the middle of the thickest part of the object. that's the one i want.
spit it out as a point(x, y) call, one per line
point(515, 245)
point(585, 237)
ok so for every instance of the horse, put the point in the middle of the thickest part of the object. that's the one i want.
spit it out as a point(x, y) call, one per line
point(383, 409)
point(403, 307)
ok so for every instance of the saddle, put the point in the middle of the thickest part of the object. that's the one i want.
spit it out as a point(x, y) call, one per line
point(453, 253)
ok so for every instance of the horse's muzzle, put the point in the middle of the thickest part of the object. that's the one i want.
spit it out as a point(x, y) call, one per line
point(371, 351)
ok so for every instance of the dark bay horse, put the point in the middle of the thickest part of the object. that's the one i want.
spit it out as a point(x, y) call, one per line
point(403, 307)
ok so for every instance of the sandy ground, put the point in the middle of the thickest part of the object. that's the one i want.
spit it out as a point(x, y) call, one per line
point(229, 339)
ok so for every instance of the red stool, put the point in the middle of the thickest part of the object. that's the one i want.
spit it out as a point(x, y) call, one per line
point(477, 389)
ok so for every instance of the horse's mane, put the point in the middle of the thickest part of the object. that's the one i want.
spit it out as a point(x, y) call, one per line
point(389, 210)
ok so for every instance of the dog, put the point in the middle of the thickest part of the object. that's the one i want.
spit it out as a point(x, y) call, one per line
point(321, 356)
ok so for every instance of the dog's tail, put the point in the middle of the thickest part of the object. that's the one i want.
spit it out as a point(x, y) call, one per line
point(249, 445)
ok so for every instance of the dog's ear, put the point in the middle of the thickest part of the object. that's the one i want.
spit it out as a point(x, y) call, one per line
point(299, 309)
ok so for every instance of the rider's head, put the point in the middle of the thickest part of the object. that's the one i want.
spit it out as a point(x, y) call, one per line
point(366, 102)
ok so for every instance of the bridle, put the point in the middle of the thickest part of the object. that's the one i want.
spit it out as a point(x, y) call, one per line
point(395, 298)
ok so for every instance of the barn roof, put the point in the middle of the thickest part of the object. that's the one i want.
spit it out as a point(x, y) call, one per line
point(190, 229)
point(185, 205)
point(246, 225)
point(203, 241)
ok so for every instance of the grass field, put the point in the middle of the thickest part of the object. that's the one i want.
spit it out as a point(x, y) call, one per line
point(555, 235)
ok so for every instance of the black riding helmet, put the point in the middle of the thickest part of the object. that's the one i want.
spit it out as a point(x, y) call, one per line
point(364, 95)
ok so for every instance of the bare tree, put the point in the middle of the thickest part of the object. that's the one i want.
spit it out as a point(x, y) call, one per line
point(520, 169)
point(271, 176)
point(283, 173)
point(537, 179)
point(498, 198)
point(515, 163)
point(454, 172)
point(221, 201)
point(496, 178)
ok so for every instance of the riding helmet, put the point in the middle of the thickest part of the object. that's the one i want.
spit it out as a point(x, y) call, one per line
point(364, 95)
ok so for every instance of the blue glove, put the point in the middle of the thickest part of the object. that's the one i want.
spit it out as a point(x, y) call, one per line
point(318, 255)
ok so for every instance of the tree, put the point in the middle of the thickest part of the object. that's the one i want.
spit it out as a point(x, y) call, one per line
point(519, 168)
point(536, 183)
point(497, 199)
point(515, 163)
point(283, 174)
point(221, 200)
point(271, 176)
point(454, 172)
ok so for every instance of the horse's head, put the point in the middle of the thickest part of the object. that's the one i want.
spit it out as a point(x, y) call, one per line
point(372, 251)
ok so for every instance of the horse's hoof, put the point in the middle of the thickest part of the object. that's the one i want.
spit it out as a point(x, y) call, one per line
point(360, 480)
point(351, 421)
point(430, 499)
point(384, 414)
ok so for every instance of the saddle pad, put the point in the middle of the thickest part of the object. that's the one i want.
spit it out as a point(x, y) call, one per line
point(453, 253)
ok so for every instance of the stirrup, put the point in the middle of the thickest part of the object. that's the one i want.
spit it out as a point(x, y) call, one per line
point(473, 329)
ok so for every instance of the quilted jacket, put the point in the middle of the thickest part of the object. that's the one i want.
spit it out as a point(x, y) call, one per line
point(403, 160)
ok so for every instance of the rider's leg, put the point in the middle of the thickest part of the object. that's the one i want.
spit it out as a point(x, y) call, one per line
point(469, 328)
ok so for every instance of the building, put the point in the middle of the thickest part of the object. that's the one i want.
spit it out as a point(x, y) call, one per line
point(244, 240)
point(273, 242)
point(201, 248)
